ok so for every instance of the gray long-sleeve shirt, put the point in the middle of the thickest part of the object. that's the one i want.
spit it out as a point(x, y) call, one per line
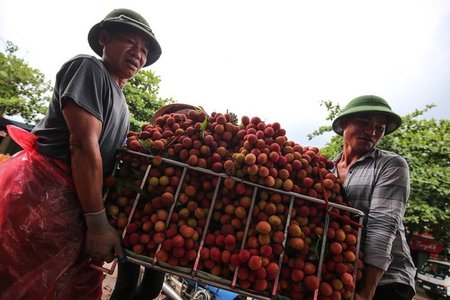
point(378, 185)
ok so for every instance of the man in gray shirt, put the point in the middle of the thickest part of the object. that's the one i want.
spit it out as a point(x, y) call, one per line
point(376, 182)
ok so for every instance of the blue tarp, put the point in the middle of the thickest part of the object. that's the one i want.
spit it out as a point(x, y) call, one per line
point(219, 294)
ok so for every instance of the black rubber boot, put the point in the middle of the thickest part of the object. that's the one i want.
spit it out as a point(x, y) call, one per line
point(127, 279)
point(150, 286)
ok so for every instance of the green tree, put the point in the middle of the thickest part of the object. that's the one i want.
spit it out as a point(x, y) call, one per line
point(424, 143)
point(141, 93)
point(23, 90)
point(333, 147)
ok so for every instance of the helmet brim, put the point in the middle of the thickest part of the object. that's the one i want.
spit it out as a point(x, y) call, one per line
point(393, 123)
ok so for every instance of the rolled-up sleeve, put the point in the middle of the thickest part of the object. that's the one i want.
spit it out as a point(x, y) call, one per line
point(387, 208)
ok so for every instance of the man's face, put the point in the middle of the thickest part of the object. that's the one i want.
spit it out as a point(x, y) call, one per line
point(362, 132)
point(125, 52)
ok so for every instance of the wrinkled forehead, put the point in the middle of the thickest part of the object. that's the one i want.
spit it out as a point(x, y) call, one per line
point(369, 116)
point(121, 30)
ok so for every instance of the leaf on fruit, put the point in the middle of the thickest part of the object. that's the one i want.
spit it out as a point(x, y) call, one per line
point(317, 247)
point(147, 144)
point(137, 174)
point(204, 124)
point(120, 185)
point(128, 183)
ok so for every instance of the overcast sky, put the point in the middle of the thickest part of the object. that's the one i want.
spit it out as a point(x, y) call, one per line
point(273, 59)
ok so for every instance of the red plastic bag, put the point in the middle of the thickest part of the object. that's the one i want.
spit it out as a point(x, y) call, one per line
point(41, 229)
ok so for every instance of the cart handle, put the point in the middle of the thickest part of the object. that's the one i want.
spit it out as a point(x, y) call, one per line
point(108, 271)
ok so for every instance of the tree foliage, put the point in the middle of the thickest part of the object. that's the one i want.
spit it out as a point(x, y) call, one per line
point(333, 147)
point(424, 143)
point(23, 90)
point(141, 93)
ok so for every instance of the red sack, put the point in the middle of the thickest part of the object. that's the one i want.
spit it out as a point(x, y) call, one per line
point(41, 229)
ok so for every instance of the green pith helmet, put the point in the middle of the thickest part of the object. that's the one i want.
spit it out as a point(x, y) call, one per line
point(127, 18)
point(368, 104)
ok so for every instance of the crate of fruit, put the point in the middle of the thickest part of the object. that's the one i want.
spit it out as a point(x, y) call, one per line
point(236, 206)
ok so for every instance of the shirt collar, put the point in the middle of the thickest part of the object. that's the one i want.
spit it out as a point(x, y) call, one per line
point(372, 153)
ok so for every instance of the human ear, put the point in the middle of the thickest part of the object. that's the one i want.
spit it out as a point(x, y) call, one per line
point(102, 37)
point(343, 123)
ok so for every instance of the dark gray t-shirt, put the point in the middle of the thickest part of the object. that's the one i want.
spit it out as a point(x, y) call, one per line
point(85, 80)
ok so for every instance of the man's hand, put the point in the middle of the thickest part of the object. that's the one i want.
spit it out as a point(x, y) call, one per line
point(372, 276)
point(102, 242)
point(358, 297)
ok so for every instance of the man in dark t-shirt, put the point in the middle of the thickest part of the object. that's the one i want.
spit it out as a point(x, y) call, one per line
point(86, 81)
point(52, 216)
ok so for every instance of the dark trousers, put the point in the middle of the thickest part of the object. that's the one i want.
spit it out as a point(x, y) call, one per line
point(397, 291)
point(127, 288)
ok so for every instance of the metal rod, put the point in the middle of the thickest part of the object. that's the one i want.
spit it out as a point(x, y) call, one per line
point(305, 197)
point(169, 291)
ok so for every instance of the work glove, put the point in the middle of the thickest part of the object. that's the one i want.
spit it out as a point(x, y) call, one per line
point(102, 241)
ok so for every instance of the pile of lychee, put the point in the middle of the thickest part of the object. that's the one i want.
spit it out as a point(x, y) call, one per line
point(203, 194)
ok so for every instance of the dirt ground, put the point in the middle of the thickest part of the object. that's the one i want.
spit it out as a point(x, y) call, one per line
point(108, 283)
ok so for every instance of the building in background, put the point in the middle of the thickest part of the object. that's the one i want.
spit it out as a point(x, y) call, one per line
point(423, 247)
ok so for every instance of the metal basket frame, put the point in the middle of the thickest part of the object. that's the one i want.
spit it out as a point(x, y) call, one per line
point(232, 286)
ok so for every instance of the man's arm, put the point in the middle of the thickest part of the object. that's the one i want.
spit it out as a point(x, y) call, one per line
point(102, 241)
point(372, 275)
point(386, 213)
point(86, 161)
